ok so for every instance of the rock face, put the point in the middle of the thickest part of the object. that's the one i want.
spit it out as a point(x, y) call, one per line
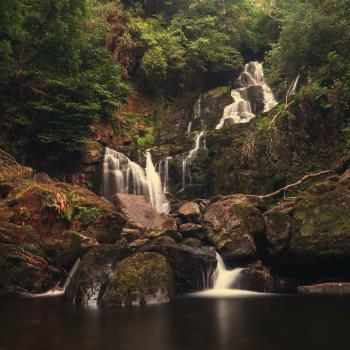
point(256, 278)
point(93, 274)
point(189, 265)
point(232, 223)
point(321, 222)
point(45, 226)
point(278, 227)
point(326, 288)
point(144, 278)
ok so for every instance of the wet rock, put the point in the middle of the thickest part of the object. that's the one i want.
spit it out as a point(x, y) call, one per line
point(278, 227)
point(326, 288)
point(138, 243)
point(256, 278)
point(131, 234)
point(93, 153)
point(190, 212)
point(93, 274)
point(255, 95)
point(192, 242)
point(191, 230)
point(232, 223)
point(144, 278)
point(189, 264)
point(141, 215)
point(25, 271)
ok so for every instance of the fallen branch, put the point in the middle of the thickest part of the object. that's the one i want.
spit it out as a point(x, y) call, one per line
point(291, 186)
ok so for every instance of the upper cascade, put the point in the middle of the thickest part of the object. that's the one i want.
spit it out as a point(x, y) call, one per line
point(251, 97)
point(121, 175)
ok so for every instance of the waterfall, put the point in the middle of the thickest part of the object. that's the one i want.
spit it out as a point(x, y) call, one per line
point(199, 143)
point(223, 278)
point(121, 175)
point(241, 110)
point(293, 87)
point(164, 172)
point(60, 291)
point(197, 112)
point(155, 188)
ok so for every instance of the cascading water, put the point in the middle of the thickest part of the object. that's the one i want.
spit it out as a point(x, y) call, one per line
point(199, 143)
point(155, 188)
point(241, 110)
point(164, 173)
point(121, 175)
point(293, 87)
point(197, 113)
point(60, 291)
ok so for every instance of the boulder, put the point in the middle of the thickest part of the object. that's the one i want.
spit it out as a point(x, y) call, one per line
point(232, 223)
point(192, 242)
point(142, 216)
point(256, 278)
point(190, 212)
point(93, 273)
point(321, 221)
point(255, 95)
point(189, 264)
point(278, 227)
point(141, 279)
point(191, 230)
point(93, 153)
point(326, 288)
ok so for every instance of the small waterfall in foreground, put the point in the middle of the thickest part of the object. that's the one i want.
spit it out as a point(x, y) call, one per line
point(60, 291)
point(293, 87)
point(242, 110)
point(223, 278)
point(121, 175)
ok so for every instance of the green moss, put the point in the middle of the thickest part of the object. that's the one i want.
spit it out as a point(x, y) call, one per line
point(88, 215)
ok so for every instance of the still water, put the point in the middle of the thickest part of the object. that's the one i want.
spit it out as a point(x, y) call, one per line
point(240, 323)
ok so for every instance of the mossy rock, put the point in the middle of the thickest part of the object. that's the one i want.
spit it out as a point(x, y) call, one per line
point(321, 222)
point(144, 278)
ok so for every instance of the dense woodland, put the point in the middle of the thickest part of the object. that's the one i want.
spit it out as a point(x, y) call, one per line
point(65, 64)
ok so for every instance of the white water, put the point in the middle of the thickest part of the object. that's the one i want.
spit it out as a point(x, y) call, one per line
point(155, 187)
point(121, 175)
point(240, 111)
point(293, 87)
point(164, 173)
point(197, 113)
point(199, 144)
point(60, 291)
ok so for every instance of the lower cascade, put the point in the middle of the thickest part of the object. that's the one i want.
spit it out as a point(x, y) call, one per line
point(121, 175)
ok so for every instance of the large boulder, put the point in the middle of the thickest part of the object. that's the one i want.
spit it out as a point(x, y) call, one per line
point(142, 216)
point(93, 274)
point(278, 227)
point(45, 226)
point(321, 221)
point(141, 279)
point(232, 223)
point(190, 266)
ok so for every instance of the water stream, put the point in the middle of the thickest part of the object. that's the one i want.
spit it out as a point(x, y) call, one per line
point(121, 175)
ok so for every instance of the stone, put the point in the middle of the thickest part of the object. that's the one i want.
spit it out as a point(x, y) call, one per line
point(256, 278)
point(141, 279)
point(326, 288)
point(192, 242)
point(278, 227)
point(232, 223)
point(93, 273)
point(131, 234)
point(257, 100)
point(43, 178)
point(321, 221)
point(188, 264)
point(190, 212)
point(138, 243)
point(191, 230)
point(141, 215)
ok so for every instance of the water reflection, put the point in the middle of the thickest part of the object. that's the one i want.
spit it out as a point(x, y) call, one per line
point(271, 323)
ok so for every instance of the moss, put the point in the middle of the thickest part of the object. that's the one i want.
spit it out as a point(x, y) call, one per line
point(138, 279)
point(217, 92)
point(88, 215)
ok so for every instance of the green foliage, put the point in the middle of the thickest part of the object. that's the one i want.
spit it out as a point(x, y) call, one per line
point(88, 215)
point(147, 140)
point(57, 78)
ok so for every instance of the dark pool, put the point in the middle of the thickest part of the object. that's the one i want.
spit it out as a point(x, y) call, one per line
point(254, 323)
